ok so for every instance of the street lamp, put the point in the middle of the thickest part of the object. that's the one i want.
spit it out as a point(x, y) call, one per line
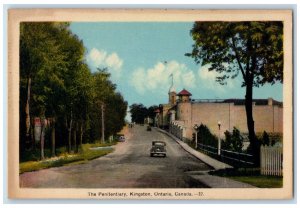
point(219, 139)
point(196, 138)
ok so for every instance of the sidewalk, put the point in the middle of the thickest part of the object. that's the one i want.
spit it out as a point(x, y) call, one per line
point(203, 177)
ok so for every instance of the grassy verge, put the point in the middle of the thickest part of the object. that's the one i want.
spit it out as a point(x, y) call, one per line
point(260, 181)
point(251, 176)
point(85, 155)
point(114, 142)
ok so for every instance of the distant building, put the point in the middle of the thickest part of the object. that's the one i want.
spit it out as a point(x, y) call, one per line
point(186, 112)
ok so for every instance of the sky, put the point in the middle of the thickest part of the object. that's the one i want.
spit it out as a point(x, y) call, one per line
point(141, 56)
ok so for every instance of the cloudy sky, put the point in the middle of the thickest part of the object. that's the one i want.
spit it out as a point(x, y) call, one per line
point(141, 56)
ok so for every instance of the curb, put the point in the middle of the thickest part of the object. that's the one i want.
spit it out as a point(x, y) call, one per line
point(215, 164)
point(203, 177)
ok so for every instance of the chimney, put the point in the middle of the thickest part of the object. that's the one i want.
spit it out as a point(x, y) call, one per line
point(270, 101)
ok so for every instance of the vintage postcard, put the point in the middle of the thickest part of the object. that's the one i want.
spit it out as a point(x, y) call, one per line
point(150, 104)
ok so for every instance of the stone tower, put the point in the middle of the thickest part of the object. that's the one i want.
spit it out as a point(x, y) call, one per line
point(184, 96)
point(172, 97)
point(184, 111)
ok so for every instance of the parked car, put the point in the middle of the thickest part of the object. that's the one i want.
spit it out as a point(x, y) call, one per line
point(158, 148)
point(148, 128)
point(121, 138)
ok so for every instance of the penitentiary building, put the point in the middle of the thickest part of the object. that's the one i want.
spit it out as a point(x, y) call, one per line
point(185, 112)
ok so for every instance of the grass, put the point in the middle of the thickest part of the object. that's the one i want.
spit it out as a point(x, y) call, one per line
point(85, 155)
point(97, 144)
point(260, 181)
point(251, 176)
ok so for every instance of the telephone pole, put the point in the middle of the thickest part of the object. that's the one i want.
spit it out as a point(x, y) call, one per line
point(102, 122)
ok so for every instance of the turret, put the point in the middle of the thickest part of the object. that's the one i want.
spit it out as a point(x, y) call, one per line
point(184, 96)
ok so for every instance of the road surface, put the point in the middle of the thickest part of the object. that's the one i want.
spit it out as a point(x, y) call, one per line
point(129, 166)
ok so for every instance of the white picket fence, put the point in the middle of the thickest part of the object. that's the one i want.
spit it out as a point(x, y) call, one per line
point(271, 160)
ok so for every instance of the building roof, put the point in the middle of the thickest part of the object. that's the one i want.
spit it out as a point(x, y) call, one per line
point(184, 92)
point(237, 101)
point(256, 101)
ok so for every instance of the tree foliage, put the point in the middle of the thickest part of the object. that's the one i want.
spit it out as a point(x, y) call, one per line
point(139, 112)
point(233, 141)
point(205, 137)
point(252, 49)
point(57, 85)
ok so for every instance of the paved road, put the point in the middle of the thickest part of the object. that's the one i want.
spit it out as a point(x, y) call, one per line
point(129, 166)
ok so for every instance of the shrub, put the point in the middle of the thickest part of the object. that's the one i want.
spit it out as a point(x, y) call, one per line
point(265, 139)
point(206, 137)
point(234, 141)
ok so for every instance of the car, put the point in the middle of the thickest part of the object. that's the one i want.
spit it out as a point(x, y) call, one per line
point(148, 128)
point(158, 148)
point(121, 138)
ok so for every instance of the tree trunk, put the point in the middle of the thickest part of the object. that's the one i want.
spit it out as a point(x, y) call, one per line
point(42, 138)
point(27, 110)
point(70, 134)
point(32, 134)
point(102, 123)
point(254, 145)
point(53, 136)
point(81, 134)
point(75, 137)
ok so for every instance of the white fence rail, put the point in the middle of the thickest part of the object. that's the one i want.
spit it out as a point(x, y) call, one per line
point(271, 160)
point(177, 130)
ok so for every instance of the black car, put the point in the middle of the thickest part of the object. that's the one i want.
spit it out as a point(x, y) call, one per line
point(158, 148)
point(148, 128)
point(121, 138)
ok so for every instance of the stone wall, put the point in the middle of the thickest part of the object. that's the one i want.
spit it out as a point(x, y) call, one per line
point(267, 117)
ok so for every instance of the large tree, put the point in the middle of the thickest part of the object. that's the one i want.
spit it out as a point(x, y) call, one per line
point(254, 49)
point(57, 85)
point(138, 113)
point(41, 67)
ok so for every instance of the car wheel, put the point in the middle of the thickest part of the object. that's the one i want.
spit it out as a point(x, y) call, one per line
point(151, 155)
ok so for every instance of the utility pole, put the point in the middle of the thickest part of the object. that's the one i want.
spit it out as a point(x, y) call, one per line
point(219, 139)
point(102, 122)
point(196, 135)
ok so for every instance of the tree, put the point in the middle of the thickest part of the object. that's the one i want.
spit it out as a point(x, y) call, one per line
point(138, 113)
point(41, 66)
point(50, 60)
point(206, 137)
point(254, 49)
point(57, 86)
point(234, 141)
point(151, 112)
point(114, 105)
point(265, 139)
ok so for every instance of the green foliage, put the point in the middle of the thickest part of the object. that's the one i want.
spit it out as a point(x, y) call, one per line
point(64, 88)
point(233, 47)
point(151, 114)
point(138, 113)
point(233, 142)
point(205, 137)
point(251, 176)
point(254, 49)
point(261, 181)
point(86, 155)
point(265, 139)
